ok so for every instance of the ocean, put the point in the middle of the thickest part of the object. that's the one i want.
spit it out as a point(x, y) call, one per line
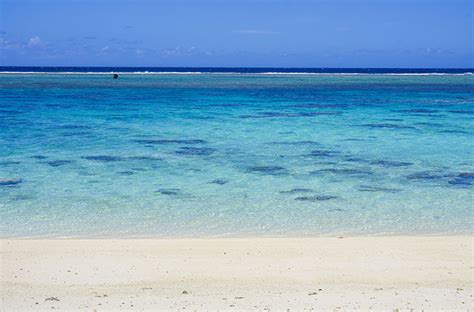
point(196, 152)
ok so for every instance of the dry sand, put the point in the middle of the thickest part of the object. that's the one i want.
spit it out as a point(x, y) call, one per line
point(238, 274)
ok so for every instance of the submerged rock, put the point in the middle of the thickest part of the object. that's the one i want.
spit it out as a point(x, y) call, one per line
point(39, 157)
point(9, 162)
point(144, 158)
point(57, 163)
point(169, 191)
point(297, 191)
point(342, 171)
point(288, 115)
point(270, 170)
point(418, 111)
point(126, 173)
point(387, 126)
point(466, 112)
point(296, 143)
point(425, 175)
point(219, 181)
point(10, 182)
point(195, 151)
point(103, 158)
point(171, 141)
point(366, 188)
point(391, 163)
point(316, 198)
point(322, 153)
point(463, 178)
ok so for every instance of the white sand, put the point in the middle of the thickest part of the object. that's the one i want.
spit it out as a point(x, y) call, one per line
point(238, 274)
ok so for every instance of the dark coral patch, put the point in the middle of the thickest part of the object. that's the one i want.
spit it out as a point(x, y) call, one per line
point(270, 170)
point(10, 182)
point(367, 188)
point(461, 111)
point(72, 126)
point(426, 175)
point(342, 171)
point(323, 153)
point(39, 157)
point(9, 162)
point(195, 151)
point(169, 191)
point(288, 115)
point(386, 126)
point(127, 173)
point(103, 158)
point(316, 198)
point(391, 163)
point(297, 191)
point(219, 181)
point(417, 111)
point(58, 163)
point(455, 131)
point(144, 158)
point(463, 178)
point(166, 141)
point(296, 143)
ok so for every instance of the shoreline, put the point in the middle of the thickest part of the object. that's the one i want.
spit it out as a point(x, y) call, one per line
point(249, 236)
point(379, 272)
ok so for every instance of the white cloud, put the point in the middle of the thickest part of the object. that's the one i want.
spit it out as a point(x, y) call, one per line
point(180, 51)
point(35, 42)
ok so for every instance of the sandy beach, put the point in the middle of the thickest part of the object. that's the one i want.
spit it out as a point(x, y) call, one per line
point(238, 274)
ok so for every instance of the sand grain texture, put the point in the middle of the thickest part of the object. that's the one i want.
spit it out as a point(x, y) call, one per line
point(238, 274)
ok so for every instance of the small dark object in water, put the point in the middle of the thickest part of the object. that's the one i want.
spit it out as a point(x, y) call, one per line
point(167, 141)
point(170, 191)
point(322, 153)
point(417, 111)
point(343, 171)
point(297, 190)
point(425, 175)
point(144, 157)
point(39, 157)
point(195, 151)
point(368, 188)
point(387, 126)
point(302, 143)
point(126, 173)
point(391, 163)
point(103, 158)
point(218, 181)
point(10, 182)
point(115, 76)
point(315, 198)
point(57, 163)
point(464, 178)
point(9, 162)
point(271, 170)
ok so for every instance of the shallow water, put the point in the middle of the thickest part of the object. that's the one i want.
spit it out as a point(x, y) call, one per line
point(186, 155)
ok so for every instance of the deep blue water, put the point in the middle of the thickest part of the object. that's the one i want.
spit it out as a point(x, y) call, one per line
point(235, 154)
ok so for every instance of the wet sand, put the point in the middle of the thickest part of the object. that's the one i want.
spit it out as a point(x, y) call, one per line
point(238, 274)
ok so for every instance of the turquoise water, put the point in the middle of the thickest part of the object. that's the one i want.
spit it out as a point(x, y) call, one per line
point(223, 154)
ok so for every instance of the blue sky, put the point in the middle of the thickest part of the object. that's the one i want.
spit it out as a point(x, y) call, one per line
point(278, 33)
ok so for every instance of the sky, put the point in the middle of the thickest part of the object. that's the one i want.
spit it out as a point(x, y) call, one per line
point(237, 33)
